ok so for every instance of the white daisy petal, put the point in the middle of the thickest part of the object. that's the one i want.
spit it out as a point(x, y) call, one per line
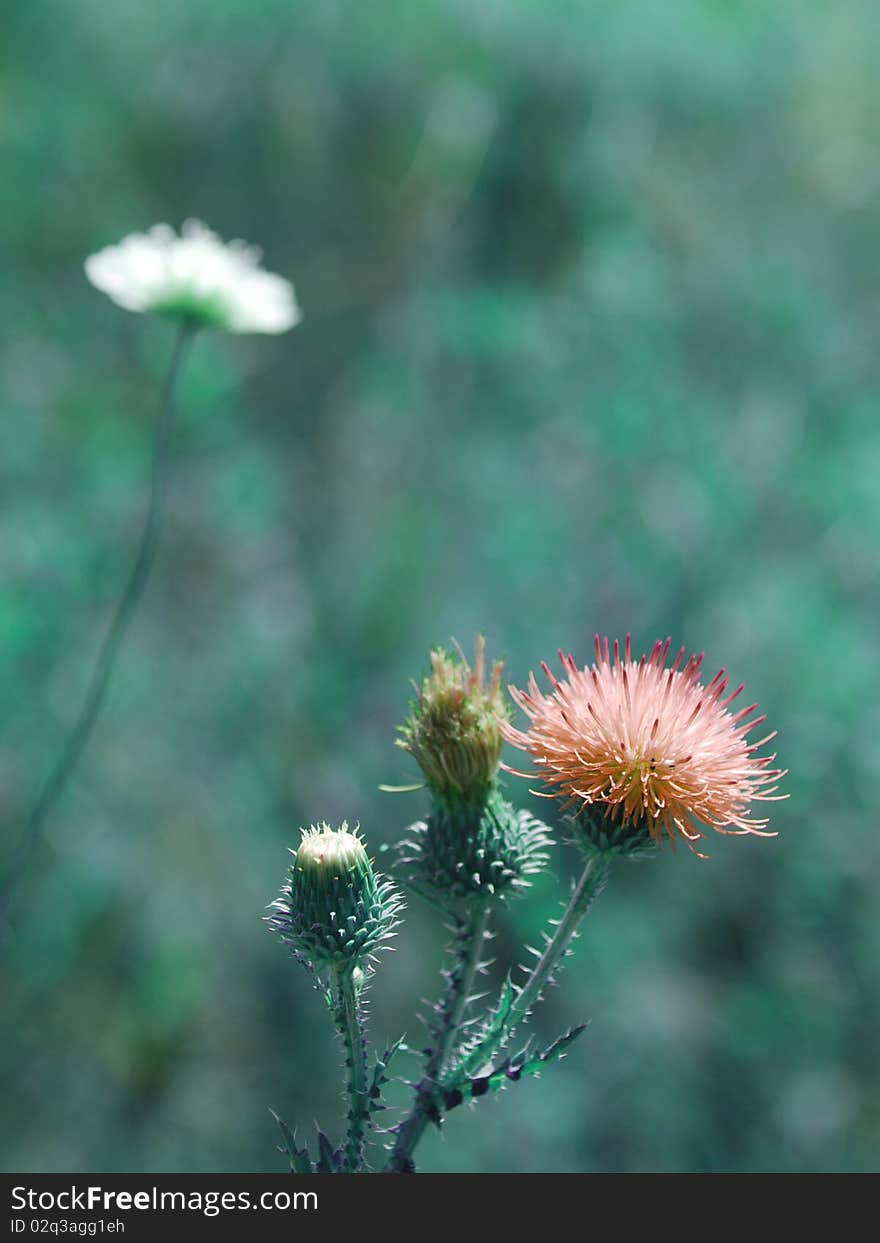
point(195, 277)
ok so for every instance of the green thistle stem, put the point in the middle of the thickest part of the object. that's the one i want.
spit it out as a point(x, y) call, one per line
point(468, 943)
point(350, 1025)
point(88, 716)
point(588, 888)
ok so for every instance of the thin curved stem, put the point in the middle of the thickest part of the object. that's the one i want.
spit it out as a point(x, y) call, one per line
point(469, 938)
point(107, 656)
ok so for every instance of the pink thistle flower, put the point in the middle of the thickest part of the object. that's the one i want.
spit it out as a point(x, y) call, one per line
point(645, 745)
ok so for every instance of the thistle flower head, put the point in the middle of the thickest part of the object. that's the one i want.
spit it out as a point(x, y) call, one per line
point(196, 278)
point(642, 751)
point(334, 911)
point(453, 729)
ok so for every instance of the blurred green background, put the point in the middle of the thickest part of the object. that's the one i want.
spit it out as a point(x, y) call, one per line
point(592, 312)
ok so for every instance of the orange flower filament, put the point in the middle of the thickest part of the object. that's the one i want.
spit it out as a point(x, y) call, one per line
point(647, 744)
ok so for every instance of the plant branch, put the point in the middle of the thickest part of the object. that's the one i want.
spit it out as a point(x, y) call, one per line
point(497, 1036)
point(467, 945)
point(109, 651)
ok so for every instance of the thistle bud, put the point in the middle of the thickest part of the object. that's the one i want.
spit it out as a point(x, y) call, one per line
point(453, 727)
point(475, 852)
point(334, 911)
point(473, 844)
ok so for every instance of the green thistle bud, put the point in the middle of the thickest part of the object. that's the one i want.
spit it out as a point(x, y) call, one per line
point(483, 852)
point(473, 844)
point(453, 727)
point(334, 911)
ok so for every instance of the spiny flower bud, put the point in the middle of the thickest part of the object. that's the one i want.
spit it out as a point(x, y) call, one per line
point(453, 728)
point(483, 852)
point(334, 911)
point(473, 844)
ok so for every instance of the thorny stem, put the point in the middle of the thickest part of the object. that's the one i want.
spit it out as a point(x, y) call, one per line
point(470, 934)
point(589, 886)
point(104, 666)
point(350, 1025)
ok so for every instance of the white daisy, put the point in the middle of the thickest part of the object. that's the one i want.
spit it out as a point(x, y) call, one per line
point(194, 277)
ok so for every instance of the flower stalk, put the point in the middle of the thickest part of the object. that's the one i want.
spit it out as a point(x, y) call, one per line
point(349, 1021)
point(470, 933)
point(105, 665)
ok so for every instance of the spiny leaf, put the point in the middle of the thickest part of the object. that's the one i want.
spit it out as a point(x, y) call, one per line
point(380, 1074)
point(511, 1070)
point(489, 1036)
point(300, 1162)
point(559, 1047)
point(329, 1160)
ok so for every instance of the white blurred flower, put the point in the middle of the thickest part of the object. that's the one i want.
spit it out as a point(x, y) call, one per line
point(194, 277)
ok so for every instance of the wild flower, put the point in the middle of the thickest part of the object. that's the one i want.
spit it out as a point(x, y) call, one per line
point(195, 278)
point(645, 745)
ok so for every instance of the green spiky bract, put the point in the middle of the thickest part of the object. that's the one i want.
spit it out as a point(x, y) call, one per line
point(593, 832)
point(464, 851)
